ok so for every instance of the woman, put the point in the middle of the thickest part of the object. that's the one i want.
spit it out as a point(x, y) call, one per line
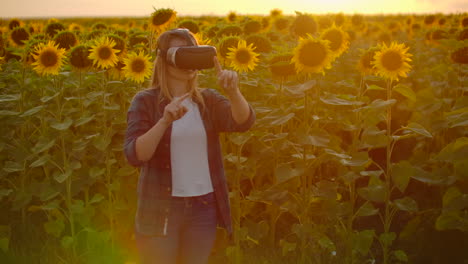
point(172, 135)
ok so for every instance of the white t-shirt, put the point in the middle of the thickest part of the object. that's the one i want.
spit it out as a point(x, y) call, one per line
point(189, 154)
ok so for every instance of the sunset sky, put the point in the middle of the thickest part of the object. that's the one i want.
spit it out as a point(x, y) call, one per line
point(60, 8)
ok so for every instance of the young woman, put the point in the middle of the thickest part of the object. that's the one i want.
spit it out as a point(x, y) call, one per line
point(172, 135)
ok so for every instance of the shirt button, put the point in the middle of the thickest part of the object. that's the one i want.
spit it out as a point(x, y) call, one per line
point(167, 166)
point(166, 145)
point(168, 188)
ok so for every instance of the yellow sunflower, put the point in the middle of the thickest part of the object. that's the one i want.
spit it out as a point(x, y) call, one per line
point(339, 39)
point(103, 54)
point(202, 39)
point(312, 55)
point(161, 19)
point(243, 58)
point(391, 61)
point(137, 66)
point(48, 58)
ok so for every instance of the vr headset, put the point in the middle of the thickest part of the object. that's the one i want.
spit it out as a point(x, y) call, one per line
point(191, 57)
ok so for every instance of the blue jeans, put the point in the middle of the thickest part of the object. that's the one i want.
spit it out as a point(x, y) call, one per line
point(191, 232)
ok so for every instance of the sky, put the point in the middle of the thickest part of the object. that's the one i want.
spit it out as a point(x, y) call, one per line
point(80, 8)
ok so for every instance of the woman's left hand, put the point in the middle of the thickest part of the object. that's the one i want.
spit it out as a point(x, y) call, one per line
point(227, 79)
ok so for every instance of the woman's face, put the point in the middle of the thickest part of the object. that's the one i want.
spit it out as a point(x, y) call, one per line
point(176, 73)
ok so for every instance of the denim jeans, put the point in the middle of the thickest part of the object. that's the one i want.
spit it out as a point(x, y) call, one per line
point(190, 233)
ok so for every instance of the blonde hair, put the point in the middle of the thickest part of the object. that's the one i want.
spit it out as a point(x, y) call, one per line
point(159, 76)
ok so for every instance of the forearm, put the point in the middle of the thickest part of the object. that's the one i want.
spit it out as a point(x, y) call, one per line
point(146, 144)
point(239, 107)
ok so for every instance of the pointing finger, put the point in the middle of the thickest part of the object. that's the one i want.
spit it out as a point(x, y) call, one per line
point(182, 98)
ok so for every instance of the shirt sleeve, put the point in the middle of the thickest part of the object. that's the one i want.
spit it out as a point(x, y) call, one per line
point(138, 123)
point(222, 115)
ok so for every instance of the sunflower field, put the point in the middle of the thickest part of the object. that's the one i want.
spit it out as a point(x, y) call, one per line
point(359, 153)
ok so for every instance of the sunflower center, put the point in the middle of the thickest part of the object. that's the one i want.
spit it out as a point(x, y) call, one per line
point(138, 66)
point(243, 56)
point(312, 54)
point(104, 53)
point(335, 38)
point(391, 60)
point(48, 58)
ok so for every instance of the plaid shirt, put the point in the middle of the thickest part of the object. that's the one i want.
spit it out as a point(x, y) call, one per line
point(155, 180)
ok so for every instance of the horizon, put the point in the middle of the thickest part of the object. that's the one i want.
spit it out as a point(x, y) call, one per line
point(29, 9)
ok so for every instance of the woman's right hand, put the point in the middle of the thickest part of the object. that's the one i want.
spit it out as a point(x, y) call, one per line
point(174, 110)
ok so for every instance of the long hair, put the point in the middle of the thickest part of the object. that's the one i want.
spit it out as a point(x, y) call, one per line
point(159, 76)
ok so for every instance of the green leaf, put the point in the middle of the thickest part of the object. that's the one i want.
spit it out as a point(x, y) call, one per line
point(113, 107)
point(126, 171)
point(83, 120)
point(332, 99)
point(282, 120)
point(8, 113)
point(11, 166)
point(428, 177)
point(367, 209)
point(66, 242)
point(9, 97)
point(95, 172)
point(62, 125)
point(41, 161)
point(61, 177)
point(374, 87)
point(46, 98)
point(406, 91)
point(458, 117)
point(401, 174)
point(101, 142)
point(239, 139)
point(406, 204)
point(313, 137)
point(54, 227)
point(455, 151)
point(96, 198)
point(374, 193)
point(417, 128)
point(400, 255)
point(42, 145)
point(387, 238)
point(362, 241)
point(358, 159)
point(32, 111)
point(285, 172)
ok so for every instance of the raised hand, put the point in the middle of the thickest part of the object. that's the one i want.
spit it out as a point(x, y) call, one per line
point(175, 110)
point(226, 78)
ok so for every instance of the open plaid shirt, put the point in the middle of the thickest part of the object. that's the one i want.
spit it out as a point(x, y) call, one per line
point(155, 180)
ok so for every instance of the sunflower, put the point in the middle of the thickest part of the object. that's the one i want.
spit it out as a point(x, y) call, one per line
point(281, 66)
point(312, 55)
point(161, 19)
point(48, 58)
point(391, 61)
point(75, 27)
point(79, 57)
point(66, 39)
point(137, 66)
point(365, 65)
point(103, 54)
point(243, 58)
point(339, 39)
point(202, 39)
point(18, 36)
